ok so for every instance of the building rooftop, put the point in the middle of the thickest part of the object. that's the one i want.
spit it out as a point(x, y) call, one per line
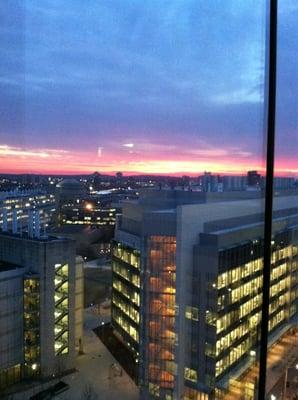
point(15, 194)
point(168, 210)
point(25, 235)
point(218, 215)
point(70, 183)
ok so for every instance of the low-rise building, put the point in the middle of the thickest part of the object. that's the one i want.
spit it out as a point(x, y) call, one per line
point(16, 205)
point(41, 305)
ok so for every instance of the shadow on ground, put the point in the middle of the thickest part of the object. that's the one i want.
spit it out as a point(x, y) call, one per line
point(118, 350)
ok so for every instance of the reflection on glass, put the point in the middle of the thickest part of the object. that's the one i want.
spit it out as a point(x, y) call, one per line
point(156, 113)
point(282, 358)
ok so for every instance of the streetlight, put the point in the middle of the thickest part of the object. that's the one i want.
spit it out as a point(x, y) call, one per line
point(286, 380)
point(285, 383)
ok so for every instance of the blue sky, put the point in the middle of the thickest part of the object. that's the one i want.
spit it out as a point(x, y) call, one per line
point(180, 80)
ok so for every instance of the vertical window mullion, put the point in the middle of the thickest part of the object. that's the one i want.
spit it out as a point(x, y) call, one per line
point(270, 149)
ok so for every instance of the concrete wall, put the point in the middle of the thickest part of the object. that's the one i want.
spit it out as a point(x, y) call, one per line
point(11, 317)
point(79, 302)
point(40, 256)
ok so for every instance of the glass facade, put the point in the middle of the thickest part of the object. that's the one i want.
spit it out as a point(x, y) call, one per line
point(87, 214)
point(31, 326)
point(126, 295)
point(61, 328)
point(282, 356)
point(239, 299)
point(160, 298)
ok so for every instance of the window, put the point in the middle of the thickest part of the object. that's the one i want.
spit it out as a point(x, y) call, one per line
point(192, 313)
point(190, 374)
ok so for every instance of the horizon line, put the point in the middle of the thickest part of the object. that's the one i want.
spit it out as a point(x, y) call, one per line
point(153, 174)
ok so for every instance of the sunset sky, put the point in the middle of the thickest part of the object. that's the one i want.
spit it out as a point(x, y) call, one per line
point(143, 86)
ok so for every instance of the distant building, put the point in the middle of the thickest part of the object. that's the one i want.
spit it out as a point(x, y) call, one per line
point(77, 207)
point(96, 180)
point(30, 179)
point(41, 306)
point(16, 204)
point(210, 182)
point(88, 211)
point(234, 182)
point(187, 288)
point(68, 190)
point(284, 183)
point(254, 179)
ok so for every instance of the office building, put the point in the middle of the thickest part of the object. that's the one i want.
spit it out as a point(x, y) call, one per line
point(210, 182)
point(187, 283)
point(89, 211)
point(77, 207)
point(234, 182)
point(254, 179)
point(41, 305)
point(284, 183)
point(16, 204)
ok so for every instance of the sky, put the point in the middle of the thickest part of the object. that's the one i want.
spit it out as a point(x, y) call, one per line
point(171, 86)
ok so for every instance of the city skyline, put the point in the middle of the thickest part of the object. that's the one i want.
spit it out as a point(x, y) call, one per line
point(120, 86)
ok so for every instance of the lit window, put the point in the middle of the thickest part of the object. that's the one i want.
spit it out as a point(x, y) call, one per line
point(190, 374)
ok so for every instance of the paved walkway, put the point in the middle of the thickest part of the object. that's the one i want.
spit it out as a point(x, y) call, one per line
point(95, 376)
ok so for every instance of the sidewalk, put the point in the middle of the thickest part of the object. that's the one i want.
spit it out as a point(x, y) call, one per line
point(93, 374)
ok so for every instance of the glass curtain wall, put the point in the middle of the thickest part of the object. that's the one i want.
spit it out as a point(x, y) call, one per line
point(282, 356)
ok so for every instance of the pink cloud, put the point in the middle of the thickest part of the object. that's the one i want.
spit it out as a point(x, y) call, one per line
point(156, 159)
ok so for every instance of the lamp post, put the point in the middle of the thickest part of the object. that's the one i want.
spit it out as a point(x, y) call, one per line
point(284, 393)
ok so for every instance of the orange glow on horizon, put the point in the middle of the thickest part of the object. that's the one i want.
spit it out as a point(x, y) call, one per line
point(57, 161)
